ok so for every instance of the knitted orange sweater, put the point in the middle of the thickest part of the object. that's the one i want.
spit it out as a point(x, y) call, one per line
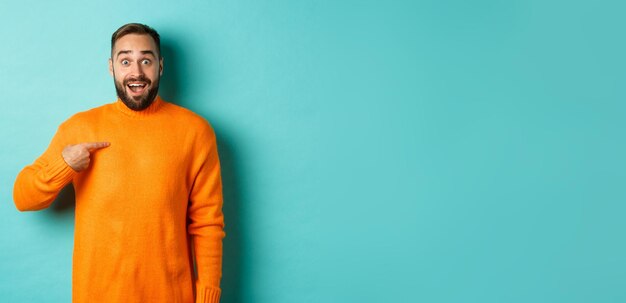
point(146, 208)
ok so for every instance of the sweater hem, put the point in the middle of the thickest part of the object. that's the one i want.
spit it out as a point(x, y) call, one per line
point(207, 294)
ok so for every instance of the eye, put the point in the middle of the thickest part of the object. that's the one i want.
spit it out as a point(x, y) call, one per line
point(145, 61)
point(125, 62)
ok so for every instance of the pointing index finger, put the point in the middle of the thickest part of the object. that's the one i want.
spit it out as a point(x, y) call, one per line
point(95, 145)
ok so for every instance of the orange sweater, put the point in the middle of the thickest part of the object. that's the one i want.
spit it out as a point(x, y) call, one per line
point(146, 205)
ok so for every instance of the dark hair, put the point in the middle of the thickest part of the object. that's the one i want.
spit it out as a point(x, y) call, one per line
point(136, 28)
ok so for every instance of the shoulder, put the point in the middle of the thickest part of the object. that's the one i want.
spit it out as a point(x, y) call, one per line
point(84, 118)
point(192, 121)
point(197, 129)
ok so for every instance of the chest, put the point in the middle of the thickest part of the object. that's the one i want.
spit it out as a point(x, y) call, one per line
point(142, 159)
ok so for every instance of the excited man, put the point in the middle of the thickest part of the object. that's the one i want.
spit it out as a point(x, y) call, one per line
point(146, 174)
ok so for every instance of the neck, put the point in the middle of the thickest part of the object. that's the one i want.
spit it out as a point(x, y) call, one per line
point(148, 111)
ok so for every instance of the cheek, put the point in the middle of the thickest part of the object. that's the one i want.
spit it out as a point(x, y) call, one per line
point(154, 75)
point(119, 79)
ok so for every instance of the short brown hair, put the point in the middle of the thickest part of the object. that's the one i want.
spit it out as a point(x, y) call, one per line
point(136, 28)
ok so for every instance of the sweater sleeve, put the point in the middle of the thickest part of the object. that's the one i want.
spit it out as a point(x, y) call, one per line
point(206, 222)
point(39, 183)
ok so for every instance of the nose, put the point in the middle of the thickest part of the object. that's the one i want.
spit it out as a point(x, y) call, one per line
point(136, 69)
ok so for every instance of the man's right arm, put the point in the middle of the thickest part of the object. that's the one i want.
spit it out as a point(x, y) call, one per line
point(38, 184)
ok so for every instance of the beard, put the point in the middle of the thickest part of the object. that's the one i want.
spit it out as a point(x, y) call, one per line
point(140, 102)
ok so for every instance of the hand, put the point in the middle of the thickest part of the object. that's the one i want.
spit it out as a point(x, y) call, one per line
point(77, 155)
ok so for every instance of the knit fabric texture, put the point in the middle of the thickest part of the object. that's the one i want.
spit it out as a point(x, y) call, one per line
point(147, 207)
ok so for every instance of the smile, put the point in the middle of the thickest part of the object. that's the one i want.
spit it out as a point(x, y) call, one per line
point(137, 88)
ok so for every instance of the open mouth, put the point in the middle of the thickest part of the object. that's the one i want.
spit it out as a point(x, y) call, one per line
point(137, 88)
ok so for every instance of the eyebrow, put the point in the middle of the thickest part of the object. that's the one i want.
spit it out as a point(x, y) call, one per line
point(130, 51)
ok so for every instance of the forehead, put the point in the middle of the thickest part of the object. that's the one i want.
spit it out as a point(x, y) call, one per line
point(135, 43)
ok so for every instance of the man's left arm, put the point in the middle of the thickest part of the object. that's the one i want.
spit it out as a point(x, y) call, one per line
point(206, 221)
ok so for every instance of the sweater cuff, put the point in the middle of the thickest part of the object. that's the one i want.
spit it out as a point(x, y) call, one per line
point(207, 294)
point(59, 172)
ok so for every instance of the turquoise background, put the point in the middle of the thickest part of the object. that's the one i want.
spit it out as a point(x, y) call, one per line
point(372, 151)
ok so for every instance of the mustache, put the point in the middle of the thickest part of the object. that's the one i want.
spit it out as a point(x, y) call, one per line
point(138, 79)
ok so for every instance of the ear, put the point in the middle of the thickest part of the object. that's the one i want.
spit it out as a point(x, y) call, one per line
point(161, 67)
point(111, 67)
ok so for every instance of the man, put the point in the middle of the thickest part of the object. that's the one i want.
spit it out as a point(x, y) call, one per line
point(146, 175)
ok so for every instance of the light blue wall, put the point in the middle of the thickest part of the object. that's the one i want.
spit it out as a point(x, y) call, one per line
point(391, 151)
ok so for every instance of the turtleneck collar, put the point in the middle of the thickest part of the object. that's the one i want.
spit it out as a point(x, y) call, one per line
point(150, 110)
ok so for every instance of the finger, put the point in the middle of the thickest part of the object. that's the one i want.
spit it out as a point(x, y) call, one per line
point(91, 146)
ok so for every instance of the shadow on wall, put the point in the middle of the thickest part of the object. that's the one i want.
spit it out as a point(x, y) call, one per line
point(173, 64)
point(232, 277)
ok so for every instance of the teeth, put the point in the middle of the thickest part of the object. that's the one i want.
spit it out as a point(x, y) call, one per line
point(136, 85)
